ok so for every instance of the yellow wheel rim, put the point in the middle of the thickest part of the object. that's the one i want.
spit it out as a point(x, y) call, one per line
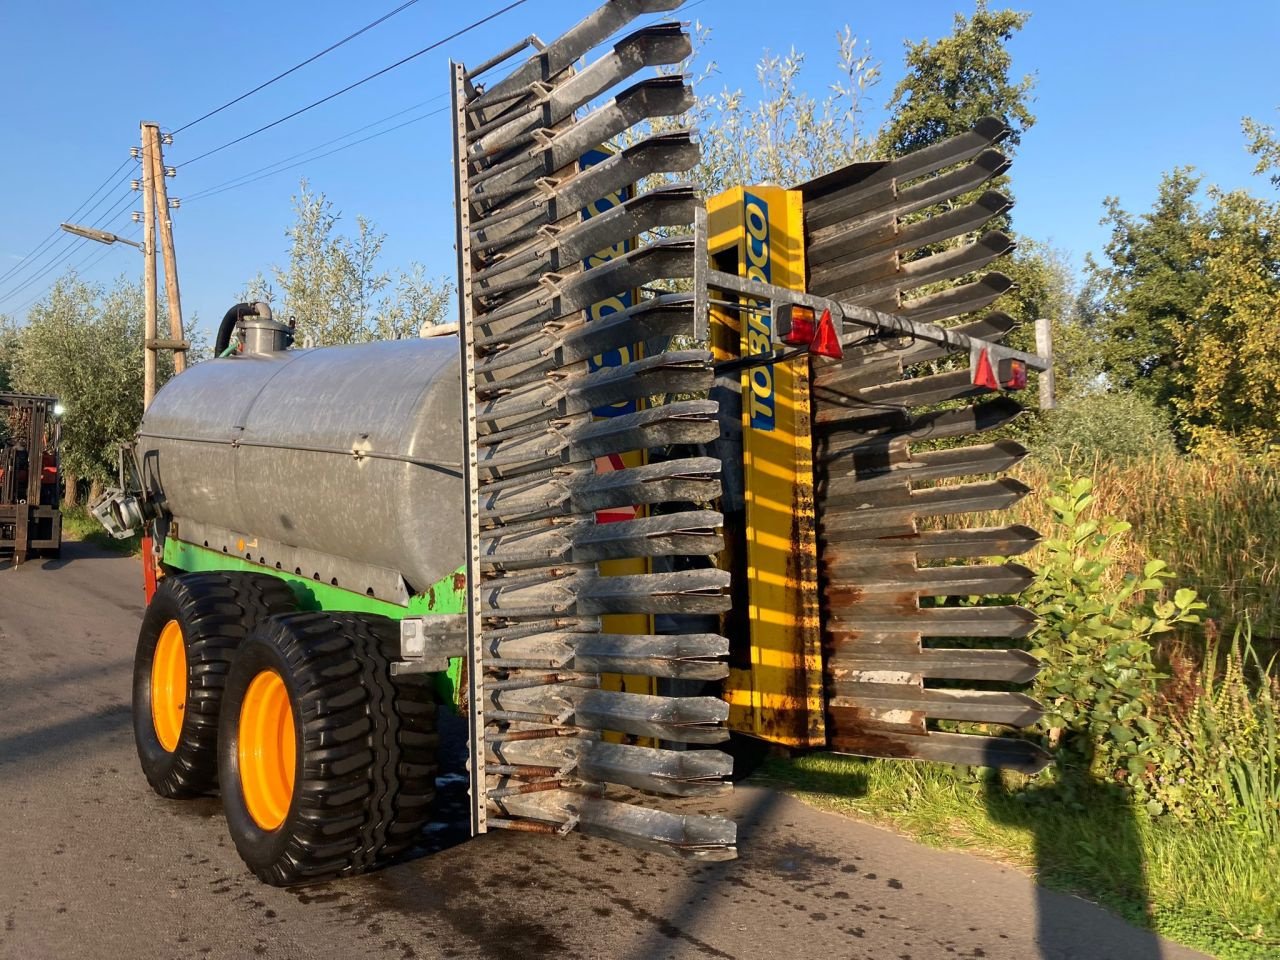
point(169, 685)
point(267, 750)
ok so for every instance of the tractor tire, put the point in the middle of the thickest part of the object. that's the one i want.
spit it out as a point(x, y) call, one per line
point(327, 762)
point(189, 634)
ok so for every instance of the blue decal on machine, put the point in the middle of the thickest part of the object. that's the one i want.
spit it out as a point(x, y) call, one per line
point(760, 398)
point(610, 305)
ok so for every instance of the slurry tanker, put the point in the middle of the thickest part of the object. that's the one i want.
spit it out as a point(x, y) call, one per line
point(683, 472)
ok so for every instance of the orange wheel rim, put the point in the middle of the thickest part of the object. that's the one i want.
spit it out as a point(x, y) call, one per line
point(267, 750)
point(169, 685)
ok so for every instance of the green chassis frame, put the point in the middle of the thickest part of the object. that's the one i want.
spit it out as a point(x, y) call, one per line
point(447, 595)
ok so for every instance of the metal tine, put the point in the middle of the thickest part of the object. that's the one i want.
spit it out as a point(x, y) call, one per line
point(853, 661)
point(687, 421)
point(983, 706)
point(690, 480)
point(679, 773)
point(577, 340)
point(577, 41)
point(889, 204)
point(687, 836)
point(560, 296)
point(673, 153)
point(965, 580)
point(691, 533)
point(933, 425)
point(659, 45)
point(698, 656)
point(847, 256)
point(972, 543)
point(678, 719)
point(569, 625)
point(849, 411)
point(685, 591)
point(957, 301)
point(683, 371)
point(884, 282)
point(979, 497)
point(664, 206)
point(565, 590)
point(924, 466)
point(656, 97)
point(1009, 622)
point(961, 748)
point(827, 201)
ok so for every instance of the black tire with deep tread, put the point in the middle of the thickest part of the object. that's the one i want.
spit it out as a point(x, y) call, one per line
point(216, 612)
point(366, 748)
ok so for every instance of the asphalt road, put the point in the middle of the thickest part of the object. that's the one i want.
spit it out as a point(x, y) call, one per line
point(94, 865)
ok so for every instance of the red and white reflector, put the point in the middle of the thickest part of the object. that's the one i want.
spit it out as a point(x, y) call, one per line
point(818, 334)
point(983, 375)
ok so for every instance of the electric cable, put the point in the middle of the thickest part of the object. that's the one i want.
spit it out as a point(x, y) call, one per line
point(351, 86)
point(297, 66)
point(43, 244)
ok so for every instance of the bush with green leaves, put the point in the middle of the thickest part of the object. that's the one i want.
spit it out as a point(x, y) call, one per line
point(1099, 678)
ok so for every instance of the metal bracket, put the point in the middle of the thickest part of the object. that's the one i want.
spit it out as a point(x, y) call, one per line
point(428, 643)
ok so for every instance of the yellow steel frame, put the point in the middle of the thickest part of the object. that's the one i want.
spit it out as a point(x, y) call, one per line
point(774, 688)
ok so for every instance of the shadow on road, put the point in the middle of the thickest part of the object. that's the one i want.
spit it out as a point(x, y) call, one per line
point(1100, 819)
point(57, 737)
point(73, 551)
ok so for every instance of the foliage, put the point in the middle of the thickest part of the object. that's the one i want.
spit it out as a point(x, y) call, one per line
point(9, 334)
point(787, 136)
point(1095, 424)
point(79, 524)
point(1230, 372)
point(1216, 521)
point(83, 344)
point(1098, 678)
point(1262, 143)
point(1220, 756)
point(1149, 289)
point(334, 287)
point(953, 82)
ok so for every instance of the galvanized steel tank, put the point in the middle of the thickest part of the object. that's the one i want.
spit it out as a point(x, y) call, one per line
point(353, 452)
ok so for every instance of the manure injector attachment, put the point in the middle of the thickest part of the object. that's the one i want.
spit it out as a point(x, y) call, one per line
point(662, 487)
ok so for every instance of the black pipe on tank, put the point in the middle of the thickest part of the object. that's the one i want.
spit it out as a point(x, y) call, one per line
point(231, 318)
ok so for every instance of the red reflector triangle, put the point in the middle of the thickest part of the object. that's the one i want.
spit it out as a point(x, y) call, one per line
point(984, 376)
point(826, 343)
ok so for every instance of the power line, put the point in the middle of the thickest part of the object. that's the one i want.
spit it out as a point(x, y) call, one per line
point(51, 250)
point(82, 268)
point(298, 66)
point(43, 244)
point(241, 181)
point(76, 243)
point(352, 86)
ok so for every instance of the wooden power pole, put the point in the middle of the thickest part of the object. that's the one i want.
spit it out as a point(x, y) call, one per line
point(157, 219)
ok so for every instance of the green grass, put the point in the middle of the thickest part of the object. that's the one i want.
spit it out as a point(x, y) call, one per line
point(1211, 887)
point(78, 524)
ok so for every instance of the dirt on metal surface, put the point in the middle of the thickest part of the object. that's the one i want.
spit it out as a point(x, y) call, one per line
point(96, 866)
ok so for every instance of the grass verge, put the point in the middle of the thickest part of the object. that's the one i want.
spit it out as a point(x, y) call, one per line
point(79, 524)
point(1211, 887)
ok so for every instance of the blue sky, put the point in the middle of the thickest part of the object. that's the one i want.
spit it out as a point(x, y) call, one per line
point(1125, 90)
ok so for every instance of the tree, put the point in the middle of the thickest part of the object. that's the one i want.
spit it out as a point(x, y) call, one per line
point(787, 136)
point(1231, 354)
point(1144, 299)
point(334, 287)
point(1262, 143)
point(954, 82)
point(82, 343)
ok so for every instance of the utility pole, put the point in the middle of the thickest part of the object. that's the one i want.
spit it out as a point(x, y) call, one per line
point(149, 267)
point(165, 222)
point(158, 219)
point(1044, 347)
